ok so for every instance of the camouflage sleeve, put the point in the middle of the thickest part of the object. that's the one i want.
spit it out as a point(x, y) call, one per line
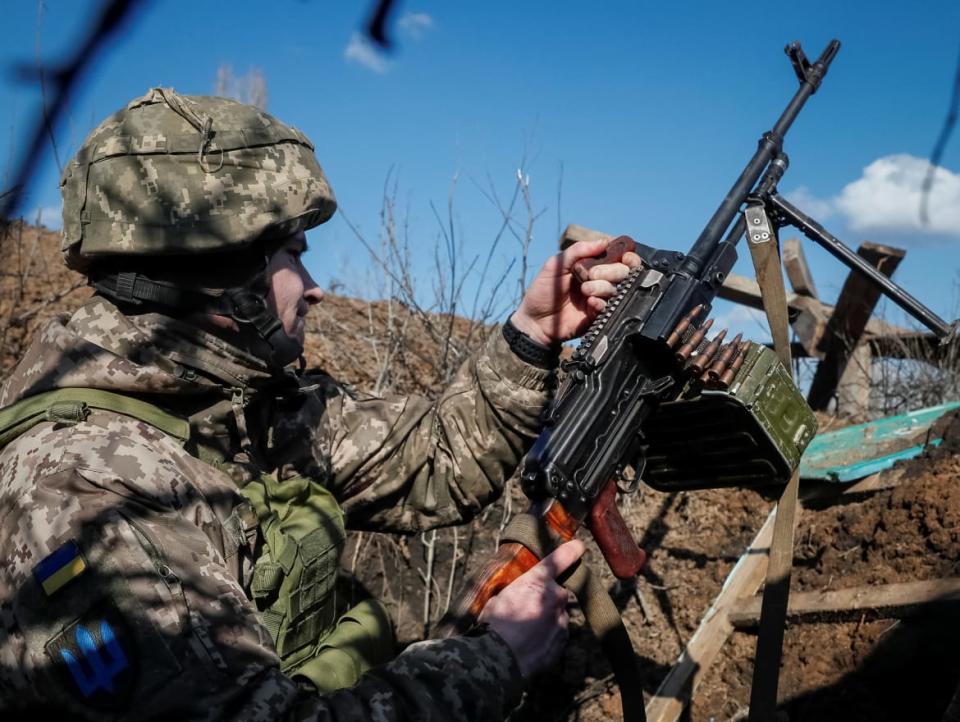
point(407, 464)
point(462, 678)
point(121, 598)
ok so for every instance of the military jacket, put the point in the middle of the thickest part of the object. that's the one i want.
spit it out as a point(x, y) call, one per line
point(127, 560)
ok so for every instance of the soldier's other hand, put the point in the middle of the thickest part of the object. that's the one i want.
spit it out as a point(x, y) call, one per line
point(531, 613)
point(558, 305)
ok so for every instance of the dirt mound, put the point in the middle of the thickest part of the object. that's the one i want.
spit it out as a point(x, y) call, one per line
point(35, 285)
point(384, 346)
point(873, 668)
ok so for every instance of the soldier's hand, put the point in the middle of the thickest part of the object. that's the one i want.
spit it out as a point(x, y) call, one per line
point(558, 305)
point(531, 613)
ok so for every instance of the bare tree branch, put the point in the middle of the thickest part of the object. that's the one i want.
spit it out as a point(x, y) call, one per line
point(945, 132)
point(41, 76)
point(111, 18)
point(377, 25)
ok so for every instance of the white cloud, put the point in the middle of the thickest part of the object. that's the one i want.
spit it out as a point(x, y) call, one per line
point(414, 25)
point(803, 199)
point(887, 197)
point(360, 50)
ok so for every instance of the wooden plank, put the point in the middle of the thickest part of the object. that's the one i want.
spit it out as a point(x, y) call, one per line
point(822, 312)
point(858, 297)
point(795, 264)
point(574, 233)
point(746, 292)
point(818, 493)
point(886, 600)
point(677, 688)
point(768, 270)
point(853, 389)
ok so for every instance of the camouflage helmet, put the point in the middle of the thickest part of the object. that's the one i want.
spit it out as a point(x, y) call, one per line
point(174, 175)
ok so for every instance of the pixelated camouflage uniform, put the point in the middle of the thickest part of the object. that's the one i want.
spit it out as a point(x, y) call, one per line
point(169, 552)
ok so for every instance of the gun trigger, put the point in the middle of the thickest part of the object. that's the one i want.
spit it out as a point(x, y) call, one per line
point(656, 387)
point(629, 484)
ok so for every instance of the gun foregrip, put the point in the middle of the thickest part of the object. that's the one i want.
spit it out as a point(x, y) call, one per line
point(510, 561)
point(610, 531)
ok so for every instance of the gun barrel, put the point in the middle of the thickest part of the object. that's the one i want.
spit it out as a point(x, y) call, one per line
point(771, 144)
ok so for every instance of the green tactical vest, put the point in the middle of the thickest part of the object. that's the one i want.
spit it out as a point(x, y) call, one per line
point(294, 578)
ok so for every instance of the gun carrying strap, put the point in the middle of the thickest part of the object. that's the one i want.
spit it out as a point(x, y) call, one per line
point(73, 405)
point(762, 240)
point(600, 612)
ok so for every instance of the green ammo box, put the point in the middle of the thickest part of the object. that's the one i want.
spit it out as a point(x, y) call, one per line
point(751, 434)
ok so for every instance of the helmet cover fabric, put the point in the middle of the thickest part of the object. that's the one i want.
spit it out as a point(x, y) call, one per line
point(176, 175)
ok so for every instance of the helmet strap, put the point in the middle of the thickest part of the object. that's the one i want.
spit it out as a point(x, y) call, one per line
point(251, 308)
point(244, 305)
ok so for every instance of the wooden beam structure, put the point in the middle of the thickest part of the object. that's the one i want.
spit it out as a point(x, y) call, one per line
point(746, 292)
point(885, 600)
point(847, 325)
point(674, 693)
point(798, 272)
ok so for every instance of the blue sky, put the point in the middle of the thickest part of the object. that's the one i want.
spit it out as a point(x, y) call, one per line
point(651, 110)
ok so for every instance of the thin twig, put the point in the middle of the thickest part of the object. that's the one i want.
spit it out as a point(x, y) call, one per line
point(940, 146)
point(453, 570)
point(41, 76)
point(430, 547)
point(66, 78)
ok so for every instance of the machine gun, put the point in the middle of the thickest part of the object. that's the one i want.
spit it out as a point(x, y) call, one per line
point(645, 389)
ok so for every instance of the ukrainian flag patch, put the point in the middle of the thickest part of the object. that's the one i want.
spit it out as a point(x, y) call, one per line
point(57, 569)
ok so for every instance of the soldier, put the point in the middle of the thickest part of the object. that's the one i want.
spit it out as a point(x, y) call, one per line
point(174, 497)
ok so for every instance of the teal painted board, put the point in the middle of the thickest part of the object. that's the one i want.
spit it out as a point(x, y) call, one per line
point(864, 449)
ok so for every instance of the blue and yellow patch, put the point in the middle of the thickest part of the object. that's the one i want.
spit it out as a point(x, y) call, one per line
point(57, 569)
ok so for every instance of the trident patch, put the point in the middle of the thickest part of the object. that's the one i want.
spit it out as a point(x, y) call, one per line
point(93, 658)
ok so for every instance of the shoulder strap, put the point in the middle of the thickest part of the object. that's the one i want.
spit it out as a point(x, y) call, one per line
point(73, 405)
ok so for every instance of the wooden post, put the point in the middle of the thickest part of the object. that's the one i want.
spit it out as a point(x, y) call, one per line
point(795, 263)
point(885, 600)
point(858, 297)
point(853, 390)
point(677, 688)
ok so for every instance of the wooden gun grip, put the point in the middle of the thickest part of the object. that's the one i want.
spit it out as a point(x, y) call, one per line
point(510, 561)
point(610, 531)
